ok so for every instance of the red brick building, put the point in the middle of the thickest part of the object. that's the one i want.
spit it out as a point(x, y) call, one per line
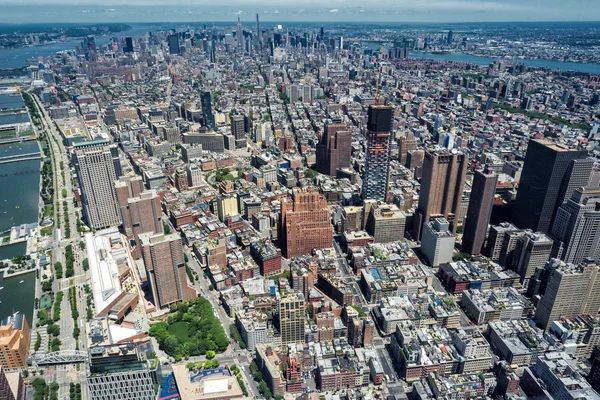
point(304, 224)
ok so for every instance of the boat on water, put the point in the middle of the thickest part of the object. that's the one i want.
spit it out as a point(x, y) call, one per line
point(1, 287)
point(21, 281)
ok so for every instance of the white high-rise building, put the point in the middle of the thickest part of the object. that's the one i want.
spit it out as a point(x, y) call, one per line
point(576, 229)
point(95, 166)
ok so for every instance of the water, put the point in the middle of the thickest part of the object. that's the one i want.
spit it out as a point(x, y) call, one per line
point(19, 187)
point(17, 296)
point(17, 58)
point(467, 58)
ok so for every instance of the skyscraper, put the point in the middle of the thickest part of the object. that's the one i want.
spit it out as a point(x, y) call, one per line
point(173, 41)
point(304, 224)
point(292, 318)
point(406, 143)
point(532, 251)
point(442, 187)
point(128, 45)
point(576, 229)
point(209, 118)
point(479, 211)
point(165, 268)
point(375, 178)
point(12, 386)
point(95, 168)
point(238, 131)
point(14, 341)
point(239, 36)
point(334, 149)
point(140, 210)
point(571, 290)
point(548, 173)
point(120, 371)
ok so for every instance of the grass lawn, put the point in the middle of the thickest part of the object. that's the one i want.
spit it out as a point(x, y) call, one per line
point(7, 133)
point(180, 330)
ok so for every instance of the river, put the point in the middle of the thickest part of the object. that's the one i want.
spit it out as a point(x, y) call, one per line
point(17, 58)
point(17, 296)
point(468, 58)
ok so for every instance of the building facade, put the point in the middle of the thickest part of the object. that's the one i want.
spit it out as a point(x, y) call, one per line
point(377, 166)
point(96, 172)
point(442, 187)
point(165, 268)
point(549, 170)
point(479, 211)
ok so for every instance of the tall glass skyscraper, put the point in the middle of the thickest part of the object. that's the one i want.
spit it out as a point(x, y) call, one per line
point(375, 178)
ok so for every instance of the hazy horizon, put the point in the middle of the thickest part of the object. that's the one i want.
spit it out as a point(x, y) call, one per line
point(407, 11)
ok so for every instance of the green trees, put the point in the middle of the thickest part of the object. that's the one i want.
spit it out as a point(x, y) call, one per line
point(205, 334)
point(166, 228)
point(235, 335)
point(38, 342)
point(58, 270)
point(85, 264)
point(70, 260)
point(264, 389)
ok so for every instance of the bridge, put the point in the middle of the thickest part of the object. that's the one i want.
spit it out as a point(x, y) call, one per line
point(20, 157)
point(59, 357)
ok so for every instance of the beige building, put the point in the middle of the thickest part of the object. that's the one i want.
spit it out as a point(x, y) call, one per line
point(14, 341)
point(571, 291)
point(386, 223)
point(227, 207)
point(292, 318)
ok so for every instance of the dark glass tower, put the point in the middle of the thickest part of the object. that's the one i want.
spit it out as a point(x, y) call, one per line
point(549, 172)
point(479, 211)
point(209, 118)
point(375, 178)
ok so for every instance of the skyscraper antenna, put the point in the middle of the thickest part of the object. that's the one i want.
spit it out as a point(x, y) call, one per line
point(377, 88)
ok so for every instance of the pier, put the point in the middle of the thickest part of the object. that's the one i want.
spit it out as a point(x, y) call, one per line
point(20, 157)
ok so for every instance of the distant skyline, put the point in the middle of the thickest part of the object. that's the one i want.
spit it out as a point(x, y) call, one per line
point(15, 11)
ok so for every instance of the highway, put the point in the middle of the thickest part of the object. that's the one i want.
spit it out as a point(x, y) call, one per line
point(62, 179)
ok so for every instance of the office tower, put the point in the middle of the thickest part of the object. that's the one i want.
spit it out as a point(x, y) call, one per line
point(442, 187)
point(377, 166)
point(121, 372)
point(334, 149)
point(239, 36)
point(531, 251)
point(163, 257)
point(12, 386)
point(207, 114)
point(386, 223)
point(227, 206)
point(495, 239)
point(572, 290)
point(140, 210)
point(291, 318)
point(437, 242)
point(128, 45)
point(543, 179)
point(479, 211)
point(304, 224)
point(238, 131)
point(95, 168)
point(14, 341)
point(174, 44)
point(450, 37)
point(406, 144)
point(576, 229)
point(593, 376)
point(258, 29)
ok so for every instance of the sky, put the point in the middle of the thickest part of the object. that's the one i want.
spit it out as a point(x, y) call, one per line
point(82, 11)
